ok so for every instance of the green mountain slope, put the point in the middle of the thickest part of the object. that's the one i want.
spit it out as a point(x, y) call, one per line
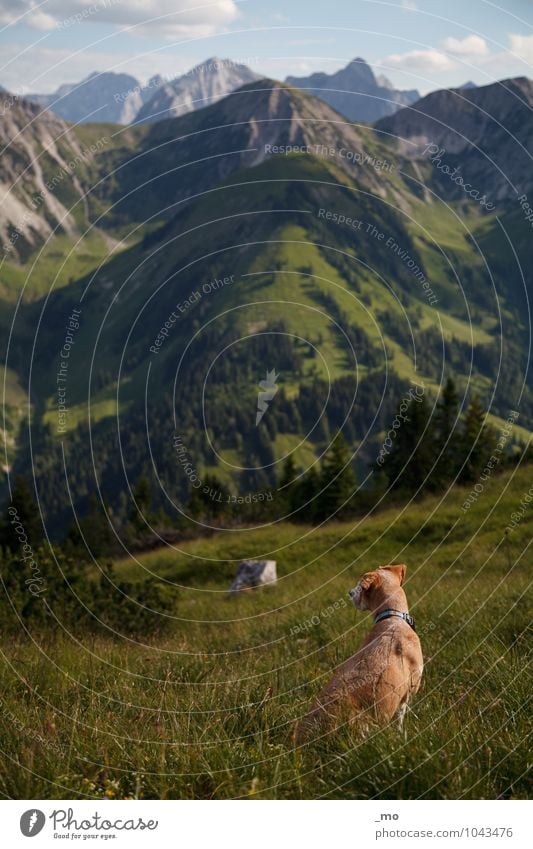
point(339, 274)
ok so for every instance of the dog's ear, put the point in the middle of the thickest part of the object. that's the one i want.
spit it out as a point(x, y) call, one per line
point(399, 571)
point(370, 581)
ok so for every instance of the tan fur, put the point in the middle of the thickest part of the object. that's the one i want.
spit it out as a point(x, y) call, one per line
point(376, 683)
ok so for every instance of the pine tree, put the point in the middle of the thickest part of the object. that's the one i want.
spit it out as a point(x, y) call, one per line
point(208, 501)
point(476, 442)
point(337, 482)
point(23, 509)
point(288, 486)
point(411, 456)
point(140, 512)
point(447, 435)
point(289, 472)
point(305, 494)
point(92, 535)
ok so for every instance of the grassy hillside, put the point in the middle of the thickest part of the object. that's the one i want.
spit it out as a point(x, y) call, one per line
point(346, 307)
point(265, 227)
point(206, 710)
point(177, 205)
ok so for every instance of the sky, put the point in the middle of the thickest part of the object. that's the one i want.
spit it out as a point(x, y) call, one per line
point(418, 44)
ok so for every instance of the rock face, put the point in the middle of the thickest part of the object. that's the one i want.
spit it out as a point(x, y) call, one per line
point(486, 131)
point(254, 124)
point(42, 175)
point(254, 573)
point(199, 87)
point(101, 97)
point(355, 92)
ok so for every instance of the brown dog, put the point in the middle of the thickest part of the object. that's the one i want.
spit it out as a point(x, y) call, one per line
point(377, 683)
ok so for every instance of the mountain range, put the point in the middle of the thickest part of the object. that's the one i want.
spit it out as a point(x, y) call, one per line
point(257, 233)
point(120, 98)
point(355, 92)
point(37, 146)
point(203, 85)
point(485, 132)
point(101, 97)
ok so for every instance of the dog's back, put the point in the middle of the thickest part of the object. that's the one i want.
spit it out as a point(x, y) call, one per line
point(376, 683)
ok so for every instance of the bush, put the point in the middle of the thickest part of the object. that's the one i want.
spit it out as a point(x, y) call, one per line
point(53, 590)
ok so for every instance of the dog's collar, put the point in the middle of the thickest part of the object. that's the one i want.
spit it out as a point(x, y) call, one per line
point(386, 614)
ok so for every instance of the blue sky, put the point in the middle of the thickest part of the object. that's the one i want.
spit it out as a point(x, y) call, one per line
point(423, 44)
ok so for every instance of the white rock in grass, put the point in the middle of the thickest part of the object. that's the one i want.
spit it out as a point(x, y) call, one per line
point(254, 573)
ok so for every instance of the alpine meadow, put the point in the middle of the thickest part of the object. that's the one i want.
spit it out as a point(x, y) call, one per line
point(266, 352)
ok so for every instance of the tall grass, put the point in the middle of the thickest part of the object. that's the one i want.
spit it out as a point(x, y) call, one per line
point(207, 710)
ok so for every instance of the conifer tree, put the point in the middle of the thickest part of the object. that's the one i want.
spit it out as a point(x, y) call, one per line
point(337, 482)
point(476, 442)
point(26, 513)
point(92, 535)
point(447, 436)
point(140, 512)
point(208, 501)
point(412, 453)
point(288, 487)
point(306, 492)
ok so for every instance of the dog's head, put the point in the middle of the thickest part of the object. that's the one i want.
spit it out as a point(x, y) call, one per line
point(375, 586)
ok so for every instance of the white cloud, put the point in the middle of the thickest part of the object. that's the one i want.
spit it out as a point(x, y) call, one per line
point(26, 12)
point(472, 46)
point(457, 59)
point(522, 47)
point(448, 57)
point(43, 69)
point(292, 68)
point(420, 61)
point(40, 20)
point(409, 6)
point(434, 60)
point(308, 42)
point(171, 18)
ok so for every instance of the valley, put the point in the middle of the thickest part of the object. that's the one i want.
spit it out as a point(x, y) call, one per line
point(339, 242)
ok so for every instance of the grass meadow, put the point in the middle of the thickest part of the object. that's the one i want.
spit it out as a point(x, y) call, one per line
point(206, 709)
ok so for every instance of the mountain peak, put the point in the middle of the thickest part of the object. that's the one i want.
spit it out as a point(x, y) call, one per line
point(36, 143)
point(203, 85)
point(485, 122)
point(361, 67)
point(263, 121)
point(213, 65)
point(102, 96)
point(354, 92)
